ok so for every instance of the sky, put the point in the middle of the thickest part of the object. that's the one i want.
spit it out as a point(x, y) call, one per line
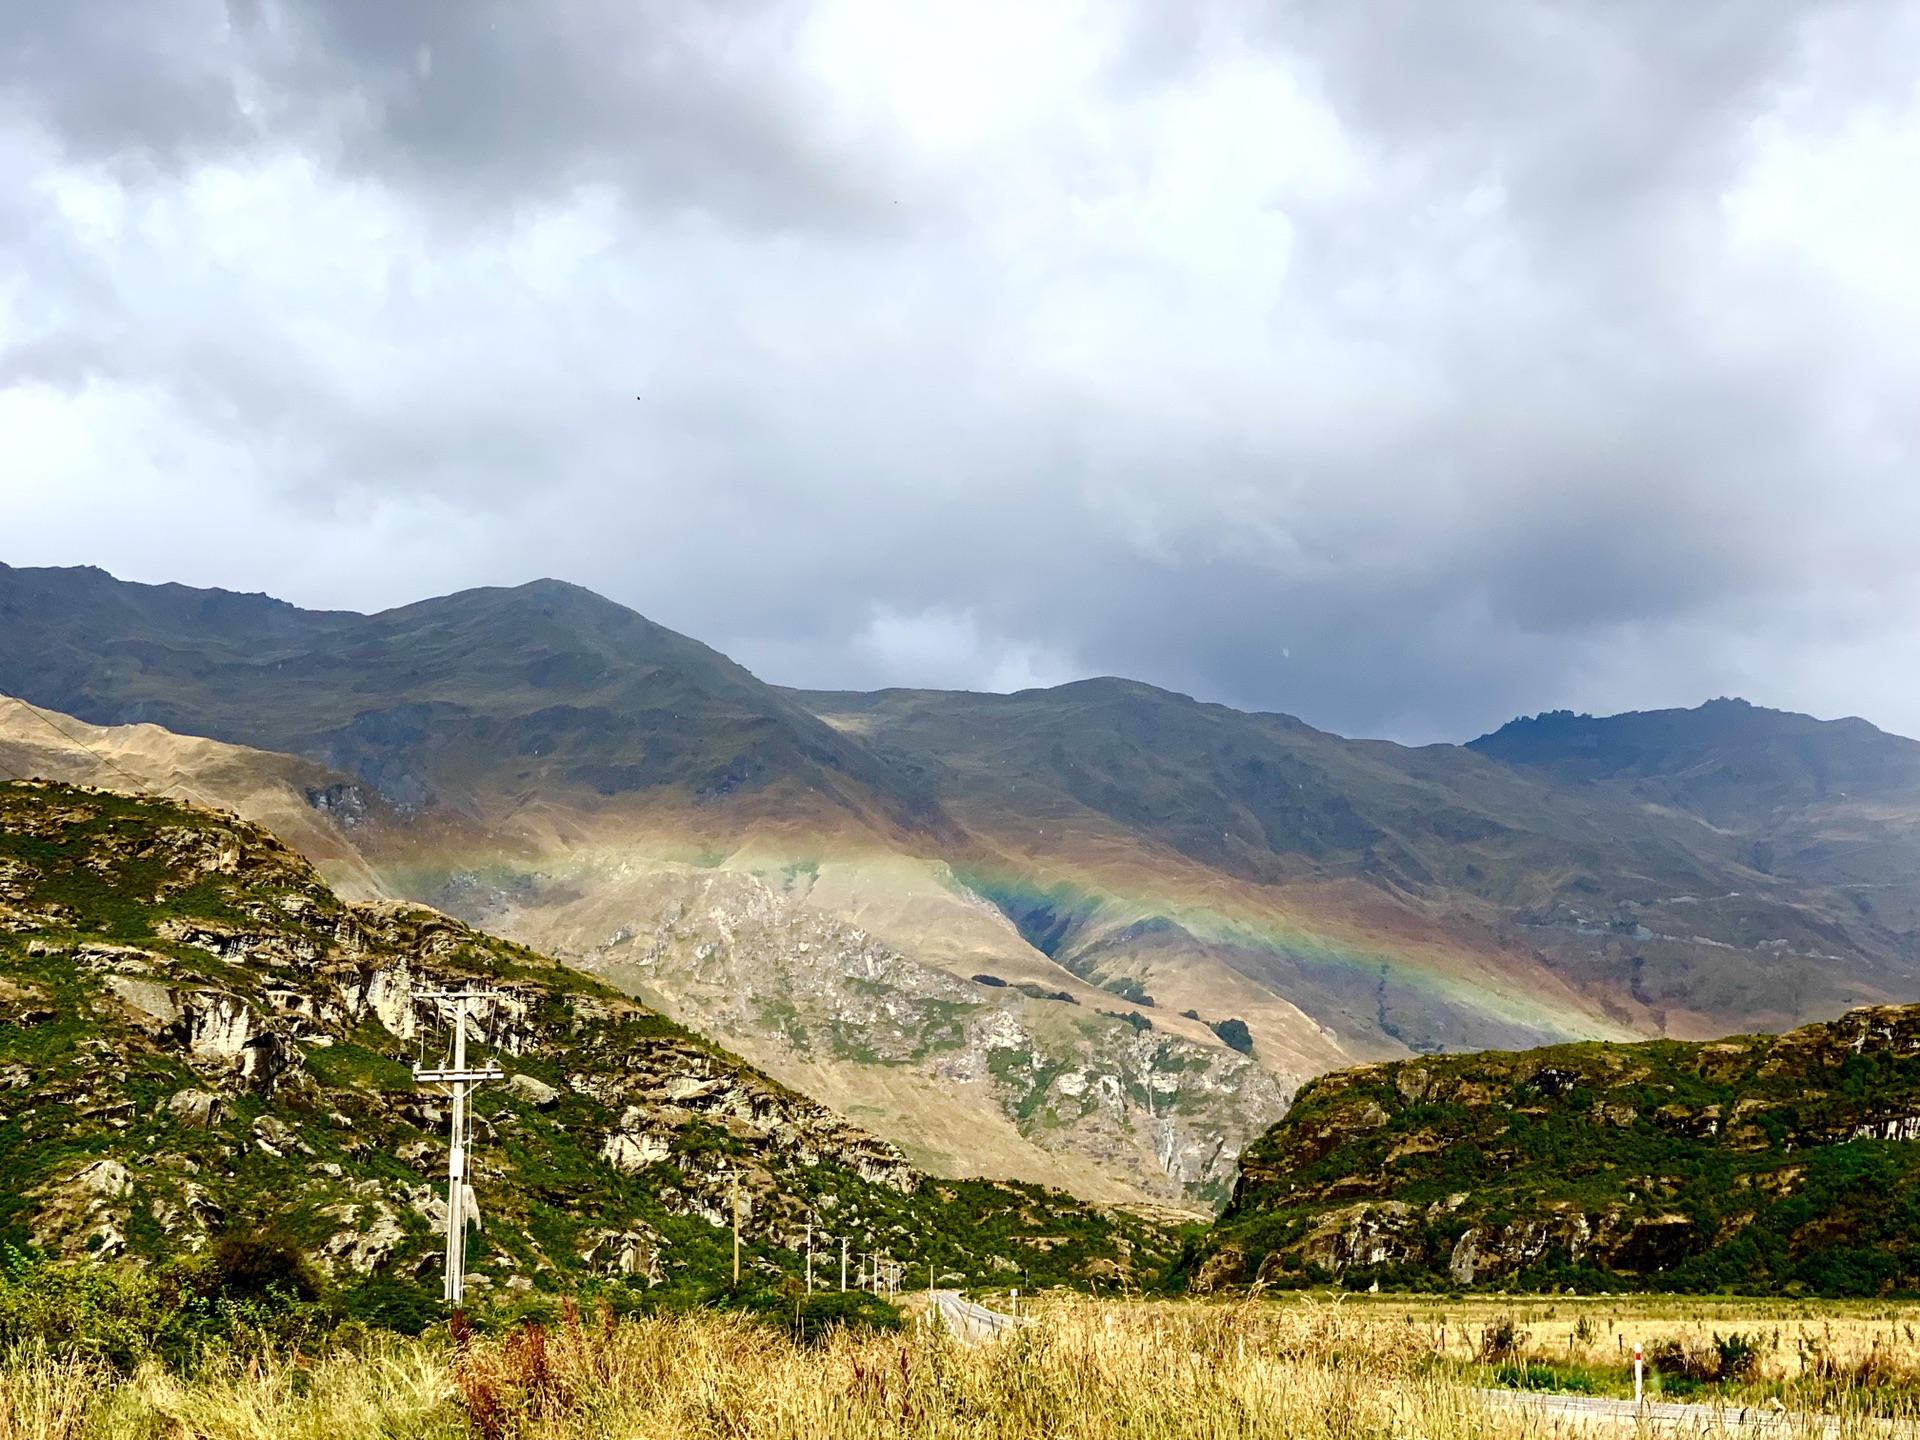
point(1405, 367)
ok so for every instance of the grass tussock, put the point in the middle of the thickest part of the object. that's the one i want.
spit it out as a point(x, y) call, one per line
point(1304, 1370)
point(1084, 1372)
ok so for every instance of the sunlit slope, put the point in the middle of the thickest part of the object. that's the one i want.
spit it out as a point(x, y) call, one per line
point(286, 795)
point(201, 1036)
point(1755, 1163)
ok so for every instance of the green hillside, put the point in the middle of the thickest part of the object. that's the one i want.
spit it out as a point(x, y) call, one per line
point(1757, 1163)
point(198, 1040)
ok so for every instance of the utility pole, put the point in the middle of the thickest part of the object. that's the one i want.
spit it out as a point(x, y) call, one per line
point(459, 1081)
point(843, 1264)
point(736, 1229)
point(809, 1254)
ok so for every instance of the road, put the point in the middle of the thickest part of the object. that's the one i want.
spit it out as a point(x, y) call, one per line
point(968, 1321)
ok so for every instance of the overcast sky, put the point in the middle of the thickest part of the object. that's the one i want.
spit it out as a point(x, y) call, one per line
point(1405, 366)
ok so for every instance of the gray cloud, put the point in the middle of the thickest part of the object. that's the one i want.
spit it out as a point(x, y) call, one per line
point(1402, 366)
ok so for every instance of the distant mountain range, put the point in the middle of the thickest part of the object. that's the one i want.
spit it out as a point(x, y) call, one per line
point(816, 878)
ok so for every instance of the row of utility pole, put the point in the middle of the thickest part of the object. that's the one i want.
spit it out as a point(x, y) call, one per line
point(460, 1080)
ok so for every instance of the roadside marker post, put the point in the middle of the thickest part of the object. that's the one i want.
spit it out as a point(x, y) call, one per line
point(1636, 1372)
point(736, 1229)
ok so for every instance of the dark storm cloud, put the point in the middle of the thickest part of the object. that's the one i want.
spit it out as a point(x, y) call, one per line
point(1404, 366)
point(485, 101)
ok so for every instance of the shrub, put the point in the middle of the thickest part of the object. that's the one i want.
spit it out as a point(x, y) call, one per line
point(1739, 1355)
point(260, 1265)
point(1234, 1035)
point(1500, 1339)
point(820, 1313)
point(1688, 1358)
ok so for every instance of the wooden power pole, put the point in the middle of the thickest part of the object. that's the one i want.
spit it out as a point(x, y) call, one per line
point(460, 1082)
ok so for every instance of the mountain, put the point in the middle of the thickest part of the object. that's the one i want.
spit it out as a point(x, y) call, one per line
point(472, 702)
point(1680, 873)
point(198, 1037)
point(958, 1072)
point(817, 878)
point(1762, 1163)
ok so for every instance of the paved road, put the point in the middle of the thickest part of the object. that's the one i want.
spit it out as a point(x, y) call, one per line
point(968, 1321)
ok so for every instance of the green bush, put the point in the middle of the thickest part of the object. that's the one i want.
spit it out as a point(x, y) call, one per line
point(121, 1314)
point(1739, 1355)
point(815, 1315)
point(1234, 1035)
point(1542, 1377)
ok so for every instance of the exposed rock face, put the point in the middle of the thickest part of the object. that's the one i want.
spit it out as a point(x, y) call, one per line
point(1755, 1160)
point(751, 961)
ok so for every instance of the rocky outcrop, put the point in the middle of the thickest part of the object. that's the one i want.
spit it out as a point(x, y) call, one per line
point(748, 960)
point(1603, 1164)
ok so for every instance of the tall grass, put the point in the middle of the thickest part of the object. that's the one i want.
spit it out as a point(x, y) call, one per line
point(1083, 1371)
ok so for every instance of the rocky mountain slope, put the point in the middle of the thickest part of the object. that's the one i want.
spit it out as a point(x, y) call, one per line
point(560, 770)
point(197, 1035)
point(1785, 1163)
point(1683, 872)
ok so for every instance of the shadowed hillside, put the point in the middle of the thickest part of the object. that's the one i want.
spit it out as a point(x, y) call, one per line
point(471, 701)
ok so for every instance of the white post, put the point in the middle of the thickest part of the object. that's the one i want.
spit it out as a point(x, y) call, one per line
point(809, 1255)
point(1637, 1370)
point(456, 1284)
point(843, 1264)
point(1016, 1302)
point(459, 1081)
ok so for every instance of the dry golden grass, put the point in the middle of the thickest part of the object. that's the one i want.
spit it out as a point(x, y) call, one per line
point(1297, 1368)
point(1874, 1341)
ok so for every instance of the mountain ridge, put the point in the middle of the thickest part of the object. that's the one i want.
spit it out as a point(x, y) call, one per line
point(549, 764)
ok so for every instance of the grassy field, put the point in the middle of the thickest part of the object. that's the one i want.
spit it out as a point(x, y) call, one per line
point(1807, 1354)
point(1350, 1369)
